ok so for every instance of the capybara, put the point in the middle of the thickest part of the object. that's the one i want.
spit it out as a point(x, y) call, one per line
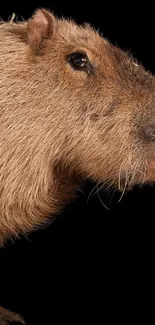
point(72, 107)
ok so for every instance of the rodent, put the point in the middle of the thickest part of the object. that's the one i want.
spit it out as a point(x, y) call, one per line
point(72, 106)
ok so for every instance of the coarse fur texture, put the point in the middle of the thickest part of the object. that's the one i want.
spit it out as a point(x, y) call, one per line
point(60, 126)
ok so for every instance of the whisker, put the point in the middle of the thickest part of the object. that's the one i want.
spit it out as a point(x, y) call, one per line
point(102, 201)
point(113, 193)
point(123, 192)
point(119, 180)
point(133, 175)
point(91, 192)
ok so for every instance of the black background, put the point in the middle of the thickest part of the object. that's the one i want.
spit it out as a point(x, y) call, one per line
point(91, 264)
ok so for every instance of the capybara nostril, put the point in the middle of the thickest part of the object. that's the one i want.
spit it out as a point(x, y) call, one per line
point(149, 132)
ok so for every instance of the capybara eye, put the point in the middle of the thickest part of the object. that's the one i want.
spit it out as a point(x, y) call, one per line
point(79, 61)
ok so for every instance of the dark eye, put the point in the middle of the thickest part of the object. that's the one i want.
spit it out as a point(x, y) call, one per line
point(79, 61)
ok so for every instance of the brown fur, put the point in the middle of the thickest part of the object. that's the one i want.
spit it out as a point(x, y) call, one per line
point(60, 126)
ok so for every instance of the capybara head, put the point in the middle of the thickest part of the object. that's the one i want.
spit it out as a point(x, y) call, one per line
point(72, 106)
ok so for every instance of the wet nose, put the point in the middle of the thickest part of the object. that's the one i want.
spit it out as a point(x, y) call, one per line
point(149, 132)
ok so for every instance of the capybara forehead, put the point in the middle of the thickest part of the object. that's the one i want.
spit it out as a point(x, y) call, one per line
point(122, 65)
point(80, 35)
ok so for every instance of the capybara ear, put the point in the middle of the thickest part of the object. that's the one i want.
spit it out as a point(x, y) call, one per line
point(40, 27)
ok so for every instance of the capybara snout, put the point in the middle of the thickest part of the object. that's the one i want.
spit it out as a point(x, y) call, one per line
point(72, 106)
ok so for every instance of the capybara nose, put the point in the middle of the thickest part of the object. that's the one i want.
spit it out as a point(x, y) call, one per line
point(149, 132)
